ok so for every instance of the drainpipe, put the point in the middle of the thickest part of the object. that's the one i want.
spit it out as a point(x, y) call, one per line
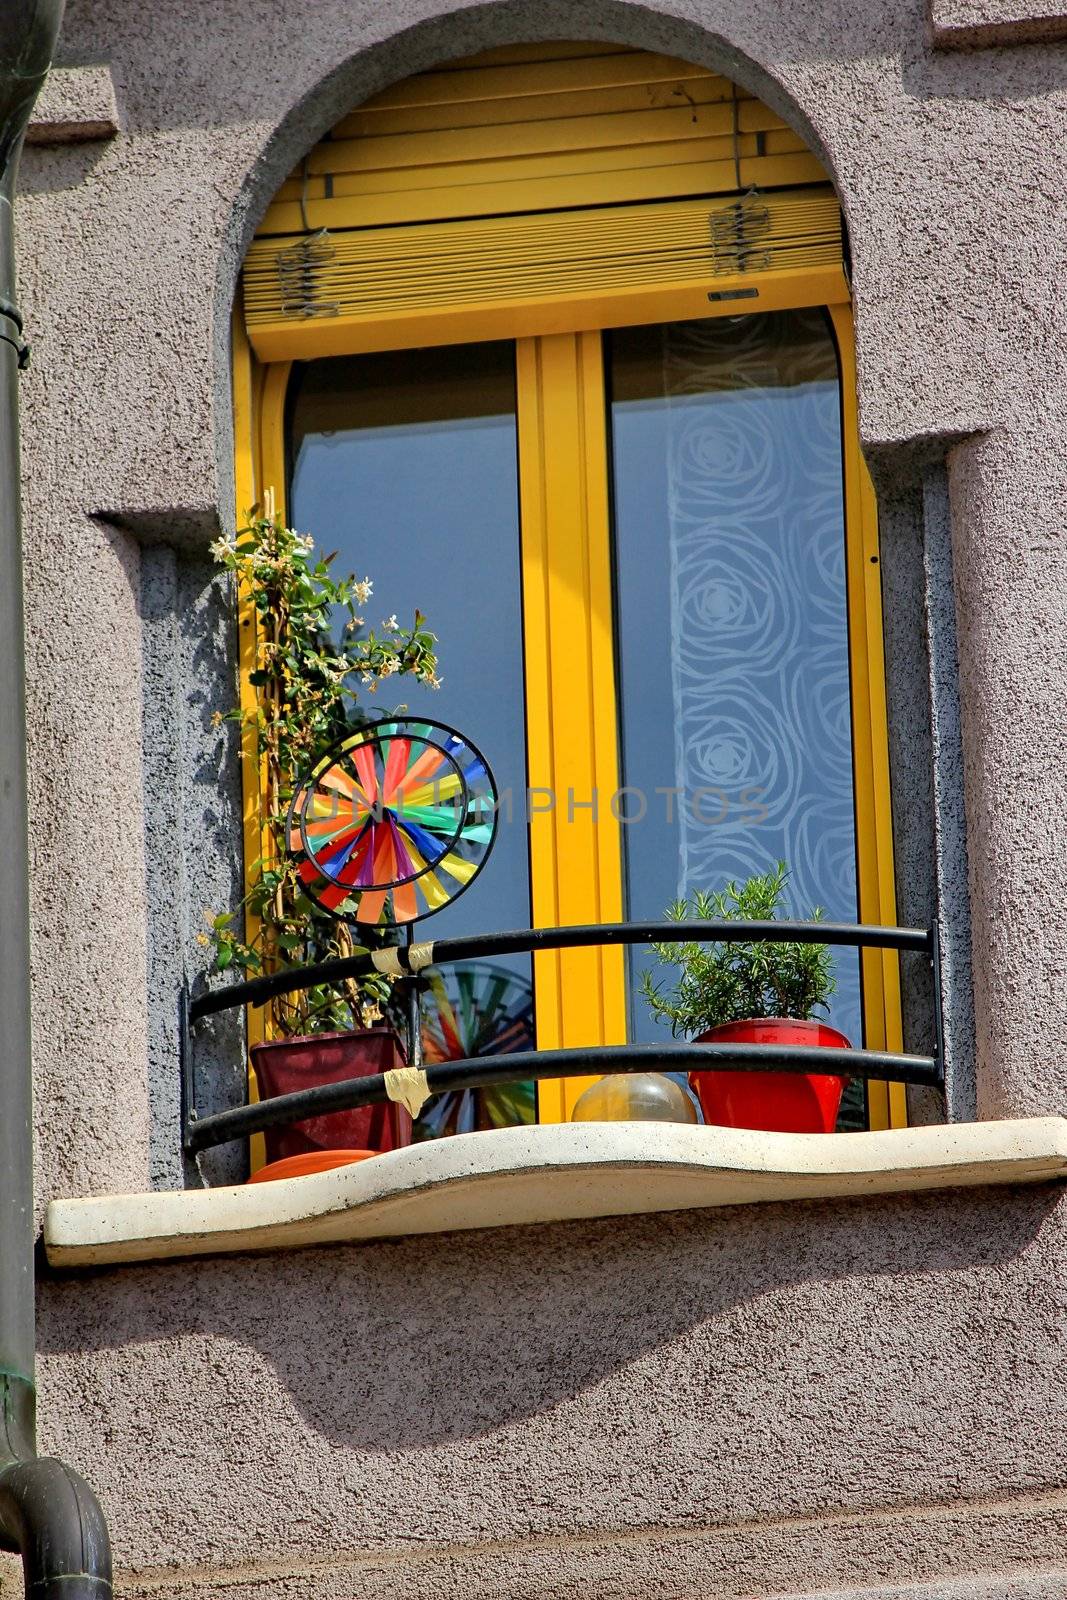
point(48, 1514)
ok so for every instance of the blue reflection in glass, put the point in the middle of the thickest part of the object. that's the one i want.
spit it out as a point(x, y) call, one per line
point(405, 464)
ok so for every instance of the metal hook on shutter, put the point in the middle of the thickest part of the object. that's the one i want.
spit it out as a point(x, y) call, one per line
point(739, 236)
point(299, 267)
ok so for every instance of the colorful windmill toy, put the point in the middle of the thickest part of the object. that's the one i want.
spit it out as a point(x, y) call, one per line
point(476, 1008)
point(393, 823)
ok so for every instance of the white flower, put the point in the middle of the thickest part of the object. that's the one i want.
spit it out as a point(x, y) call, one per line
point(305, 541)
point(363, 591)
point(221, 549)
point(391, 623)
point(389, 665)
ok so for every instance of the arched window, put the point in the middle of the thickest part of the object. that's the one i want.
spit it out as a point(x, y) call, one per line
point(556, 342)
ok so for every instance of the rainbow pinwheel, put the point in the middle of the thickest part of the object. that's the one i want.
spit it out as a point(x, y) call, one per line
point(476, 1009)
point(393, 823)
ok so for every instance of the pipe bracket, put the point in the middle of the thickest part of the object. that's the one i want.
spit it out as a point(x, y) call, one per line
point(10, 310)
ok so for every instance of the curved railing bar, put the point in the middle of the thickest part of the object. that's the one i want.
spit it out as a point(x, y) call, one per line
point(478, 1072)
point(522, 941)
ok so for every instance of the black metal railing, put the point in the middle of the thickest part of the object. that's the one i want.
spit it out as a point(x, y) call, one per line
point(201, 1133)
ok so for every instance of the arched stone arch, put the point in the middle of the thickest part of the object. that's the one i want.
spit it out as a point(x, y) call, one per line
point(449, 31)
point(745, 44)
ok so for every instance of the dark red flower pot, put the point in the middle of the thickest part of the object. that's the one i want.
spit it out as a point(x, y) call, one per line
point(780, 1102)
point(285, 1066)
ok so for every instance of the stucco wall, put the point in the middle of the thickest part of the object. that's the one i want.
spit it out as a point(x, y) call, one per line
point(748, 1402)
point(787, 1399)
point(192, 833)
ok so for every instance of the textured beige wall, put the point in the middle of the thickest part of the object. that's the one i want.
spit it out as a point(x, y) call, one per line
point(787, 1398)
point(737, 1403)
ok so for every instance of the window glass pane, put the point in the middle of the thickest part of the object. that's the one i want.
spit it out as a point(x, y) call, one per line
point(405, 464)
point(732, 618)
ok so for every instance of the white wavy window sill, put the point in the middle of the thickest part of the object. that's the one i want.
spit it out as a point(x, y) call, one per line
point(550, 1174)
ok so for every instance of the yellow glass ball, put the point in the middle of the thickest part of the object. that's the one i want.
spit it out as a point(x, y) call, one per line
point(634, 1097)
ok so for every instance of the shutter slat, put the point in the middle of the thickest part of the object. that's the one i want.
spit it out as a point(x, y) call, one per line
point(754, 117)
point(539, 127)
point(575, 134)
point(537, 77)
point(778, 141)
point(373, 120)
point(611, 188)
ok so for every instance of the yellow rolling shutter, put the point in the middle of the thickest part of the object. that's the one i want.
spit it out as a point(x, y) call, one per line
point(525, 130)
point(384, 288)
point(522, 179)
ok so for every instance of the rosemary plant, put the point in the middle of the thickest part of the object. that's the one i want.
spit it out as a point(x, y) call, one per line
point(721, 982)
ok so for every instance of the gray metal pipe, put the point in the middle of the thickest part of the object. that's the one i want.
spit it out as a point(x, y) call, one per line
point(53, 1519)
point(47, 1512)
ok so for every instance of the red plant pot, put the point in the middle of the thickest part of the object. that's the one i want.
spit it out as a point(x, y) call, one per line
point(780, 1102)
point(285, 1066)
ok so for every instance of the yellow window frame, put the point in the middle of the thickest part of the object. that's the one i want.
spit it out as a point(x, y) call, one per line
point(569, 640)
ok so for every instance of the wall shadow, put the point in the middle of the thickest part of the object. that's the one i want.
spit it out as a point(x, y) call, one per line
point(424, 1341)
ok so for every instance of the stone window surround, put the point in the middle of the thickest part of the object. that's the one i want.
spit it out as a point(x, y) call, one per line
point(914, 499)
point(926, 762)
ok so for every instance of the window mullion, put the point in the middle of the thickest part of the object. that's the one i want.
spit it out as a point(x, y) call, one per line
point(570, 677)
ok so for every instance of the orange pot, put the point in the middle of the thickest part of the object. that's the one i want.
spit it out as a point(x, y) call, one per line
point(309, 1161)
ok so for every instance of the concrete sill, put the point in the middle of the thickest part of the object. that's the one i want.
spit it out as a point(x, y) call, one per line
point(549, 1174)
point(76, 104)
point(985, 24)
